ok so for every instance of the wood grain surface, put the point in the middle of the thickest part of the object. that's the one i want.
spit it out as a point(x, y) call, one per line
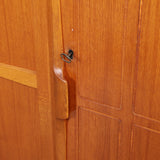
point(26, 124)
point(19, 75)
point(115, 72)
point(111, 86)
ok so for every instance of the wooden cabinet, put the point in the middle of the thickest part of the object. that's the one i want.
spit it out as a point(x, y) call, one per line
point(104, 105)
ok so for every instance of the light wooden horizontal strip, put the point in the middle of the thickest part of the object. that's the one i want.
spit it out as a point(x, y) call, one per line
point(19, 75)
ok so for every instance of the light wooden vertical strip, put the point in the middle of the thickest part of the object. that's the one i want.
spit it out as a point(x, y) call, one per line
point(43, 65)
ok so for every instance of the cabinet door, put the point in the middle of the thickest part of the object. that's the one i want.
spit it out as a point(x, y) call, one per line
point(25, 96)
point(114, 76)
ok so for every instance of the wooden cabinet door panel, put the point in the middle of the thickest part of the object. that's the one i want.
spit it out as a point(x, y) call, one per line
point(26, 126)
point(98, 136)
point(116, 73)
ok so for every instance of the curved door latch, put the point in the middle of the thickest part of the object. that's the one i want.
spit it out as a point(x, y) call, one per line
point(68, 56)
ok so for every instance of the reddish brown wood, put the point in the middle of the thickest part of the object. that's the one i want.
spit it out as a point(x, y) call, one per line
point(26, 125)
point(112, 82)
point(146, 143)
point(116, 73)
point(147, 83)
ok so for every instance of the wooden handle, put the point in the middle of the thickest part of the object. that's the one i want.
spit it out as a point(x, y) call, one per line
point(61, 95)
point(60, 85)
point(61, 114)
